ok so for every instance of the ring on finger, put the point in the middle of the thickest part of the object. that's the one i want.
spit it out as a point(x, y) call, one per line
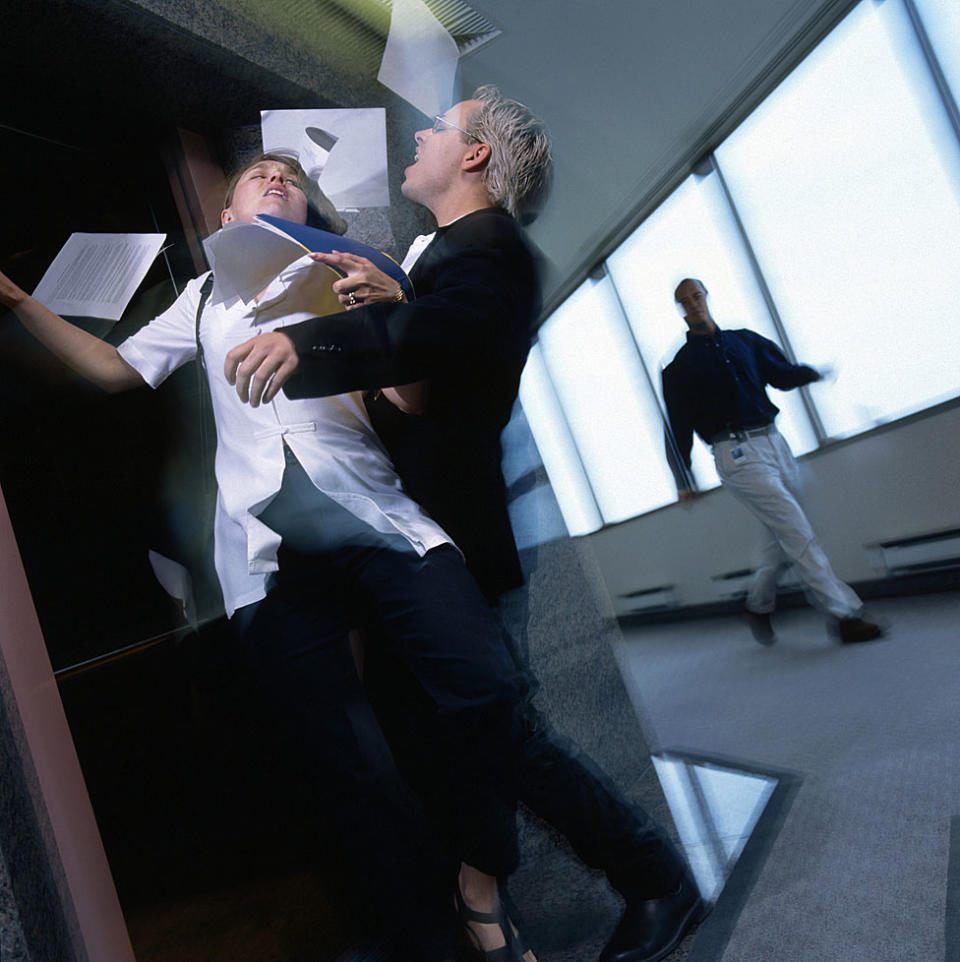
point(352, 299)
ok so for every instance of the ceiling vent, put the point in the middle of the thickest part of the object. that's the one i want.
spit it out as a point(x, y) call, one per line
point(467, 27)
point(349, 36)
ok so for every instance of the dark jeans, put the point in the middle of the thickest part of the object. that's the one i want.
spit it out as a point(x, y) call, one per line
point(334, 572)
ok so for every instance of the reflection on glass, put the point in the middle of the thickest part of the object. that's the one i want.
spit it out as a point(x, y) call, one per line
point(609, 407)
point(715, 810)
point(557, 449)
point(846, 179)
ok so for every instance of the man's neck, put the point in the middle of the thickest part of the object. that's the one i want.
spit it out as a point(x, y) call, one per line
point(448, 209)
point(702, 328)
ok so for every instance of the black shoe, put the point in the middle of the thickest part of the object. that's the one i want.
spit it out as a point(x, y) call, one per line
point(650, 929)
point(760, 625)
point(854, 628)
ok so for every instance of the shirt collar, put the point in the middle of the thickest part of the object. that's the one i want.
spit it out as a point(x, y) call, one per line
point(691, 337)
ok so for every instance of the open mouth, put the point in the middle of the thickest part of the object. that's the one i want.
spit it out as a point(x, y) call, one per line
point(276, 192)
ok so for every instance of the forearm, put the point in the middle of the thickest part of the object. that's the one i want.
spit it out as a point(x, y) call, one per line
point(381, 344)
point(90, 357)
point(779, 372)
point(409, 398)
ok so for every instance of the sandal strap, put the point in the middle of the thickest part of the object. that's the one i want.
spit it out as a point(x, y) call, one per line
point(512, 951)
point(472, 915)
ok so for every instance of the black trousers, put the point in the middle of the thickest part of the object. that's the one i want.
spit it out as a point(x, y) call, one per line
point(556, 779)
point(334, 572)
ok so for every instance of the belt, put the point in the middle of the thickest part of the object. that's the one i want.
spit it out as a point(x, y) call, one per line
point(742, 433)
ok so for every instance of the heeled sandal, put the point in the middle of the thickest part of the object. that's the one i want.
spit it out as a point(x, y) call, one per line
point(512, 950)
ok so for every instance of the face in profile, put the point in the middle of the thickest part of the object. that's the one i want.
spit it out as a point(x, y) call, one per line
point(438, 155)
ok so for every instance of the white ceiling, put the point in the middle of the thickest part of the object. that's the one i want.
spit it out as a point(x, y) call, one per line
point(633, 91)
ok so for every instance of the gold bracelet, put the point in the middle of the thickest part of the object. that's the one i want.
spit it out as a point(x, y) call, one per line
point(397, 295)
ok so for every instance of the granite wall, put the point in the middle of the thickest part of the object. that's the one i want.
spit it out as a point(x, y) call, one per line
point(13, 948)
point(32, 922)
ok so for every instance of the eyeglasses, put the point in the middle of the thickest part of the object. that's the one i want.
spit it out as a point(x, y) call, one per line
point(441, 123)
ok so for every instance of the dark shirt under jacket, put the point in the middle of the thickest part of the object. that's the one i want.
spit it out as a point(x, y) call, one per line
point(718, 381)
point(468, 332)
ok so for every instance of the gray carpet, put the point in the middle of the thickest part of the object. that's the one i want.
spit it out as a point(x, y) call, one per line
point(859, 871)
point(568, 911)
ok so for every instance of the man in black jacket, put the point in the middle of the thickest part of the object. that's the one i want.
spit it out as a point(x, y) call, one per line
point(465, 339)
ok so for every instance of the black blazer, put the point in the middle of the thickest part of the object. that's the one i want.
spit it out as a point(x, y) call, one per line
point(468, 332)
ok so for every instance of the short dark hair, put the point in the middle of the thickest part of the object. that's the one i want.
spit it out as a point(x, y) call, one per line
point(688, 280)
point(320, 211)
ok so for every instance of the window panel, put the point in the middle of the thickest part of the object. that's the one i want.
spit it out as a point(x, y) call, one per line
point(846, 180)
point(557, 448)
point(941, 20)
point(607, 401)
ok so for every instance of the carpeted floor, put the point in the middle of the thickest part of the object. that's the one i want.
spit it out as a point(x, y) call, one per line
point(859, 869)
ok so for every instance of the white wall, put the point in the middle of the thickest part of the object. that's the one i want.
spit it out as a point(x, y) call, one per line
point(898, 481)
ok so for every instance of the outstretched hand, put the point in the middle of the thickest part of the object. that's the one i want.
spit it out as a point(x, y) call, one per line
point(260, 367)
point(364, 282)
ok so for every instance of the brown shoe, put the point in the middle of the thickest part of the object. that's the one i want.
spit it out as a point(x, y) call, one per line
point(760, 626)
point(855, 629)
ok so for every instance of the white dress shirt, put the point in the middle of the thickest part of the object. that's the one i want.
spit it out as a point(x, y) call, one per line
point(331, 436)
point(420, 243)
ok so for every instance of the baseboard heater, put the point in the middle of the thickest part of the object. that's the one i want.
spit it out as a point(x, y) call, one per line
point(933, 551)
point(661, 598)
point(732, 585)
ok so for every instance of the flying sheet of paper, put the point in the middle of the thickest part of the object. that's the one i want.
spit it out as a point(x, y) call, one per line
point(345, 148)
point(420, 59)
point(245, 258)
point(95, 275)
point(176, 581)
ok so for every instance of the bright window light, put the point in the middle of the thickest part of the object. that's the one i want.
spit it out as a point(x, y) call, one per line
point(846, 179)
point(608, 403)
point(557, 449)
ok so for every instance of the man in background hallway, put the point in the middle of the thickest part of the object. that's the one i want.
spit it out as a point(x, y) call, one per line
point(716, 386)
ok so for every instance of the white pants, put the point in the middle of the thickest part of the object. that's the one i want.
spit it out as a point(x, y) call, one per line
point(762, 474)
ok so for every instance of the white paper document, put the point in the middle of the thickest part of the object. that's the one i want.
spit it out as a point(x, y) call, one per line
point(344, 150)
point(95, 275)
point(245, 258)
point(176, 581)
point(420, 60)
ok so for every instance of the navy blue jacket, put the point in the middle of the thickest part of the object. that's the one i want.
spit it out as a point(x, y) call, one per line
point(719, 380)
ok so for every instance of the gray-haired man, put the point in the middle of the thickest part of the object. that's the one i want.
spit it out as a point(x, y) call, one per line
point(464, 340)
